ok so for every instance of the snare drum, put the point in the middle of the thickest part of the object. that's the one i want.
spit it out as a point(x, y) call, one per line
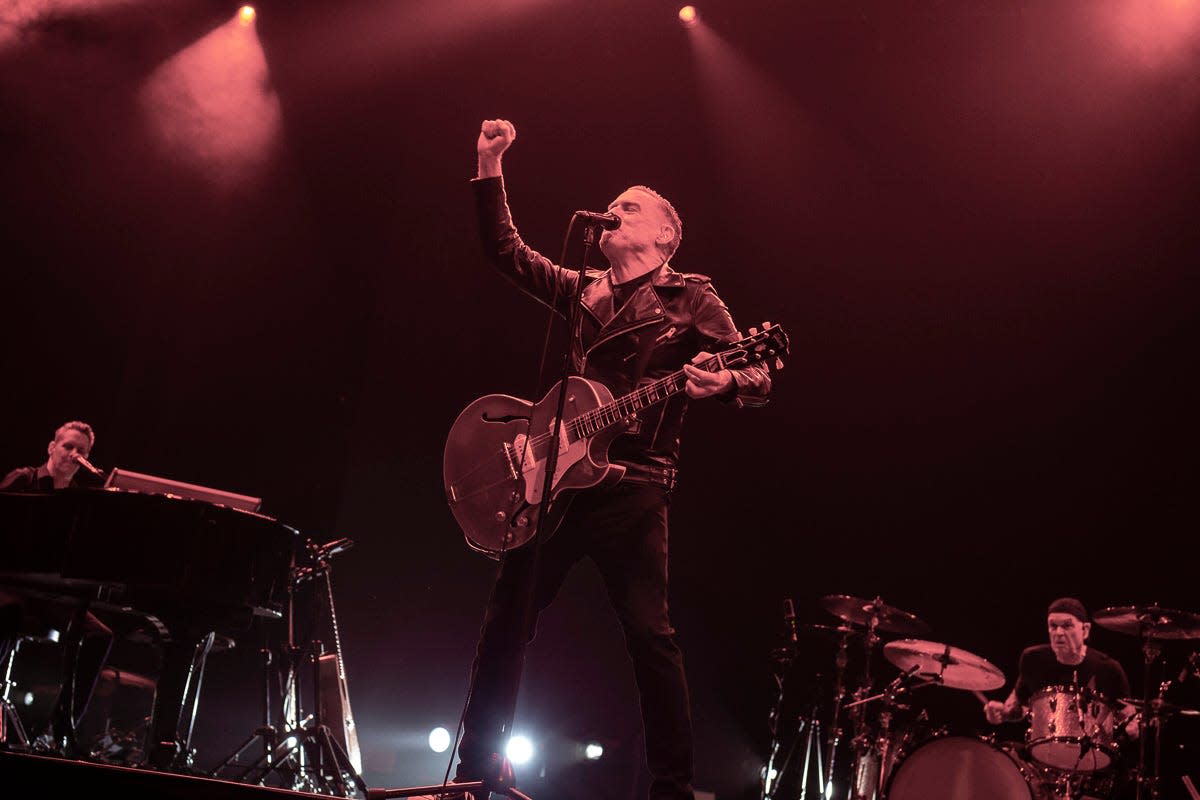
point(964, 768)
point(1071, 728)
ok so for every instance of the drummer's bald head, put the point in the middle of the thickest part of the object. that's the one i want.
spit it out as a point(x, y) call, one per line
point(1069, 605)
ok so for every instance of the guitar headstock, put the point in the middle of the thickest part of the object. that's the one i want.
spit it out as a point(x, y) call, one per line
point(767, 346)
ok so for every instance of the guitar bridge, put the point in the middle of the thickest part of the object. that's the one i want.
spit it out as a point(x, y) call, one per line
point(510, 458)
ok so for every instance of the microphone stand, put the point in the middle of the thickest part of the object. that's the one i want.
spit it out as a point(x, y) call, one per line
point(501, 782)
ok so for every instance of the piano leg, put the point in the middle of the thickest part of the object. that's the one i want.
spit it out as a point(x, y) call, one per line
point(182, 674)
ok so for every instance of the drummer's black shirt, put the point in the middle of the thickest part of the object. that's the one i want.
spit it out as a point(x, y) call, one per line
point(1039, 669)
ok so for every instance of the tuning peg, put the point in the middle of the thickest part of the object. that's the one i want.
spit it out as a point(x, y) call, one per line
point(766, 326)
point(754, 331)
point(779, 363)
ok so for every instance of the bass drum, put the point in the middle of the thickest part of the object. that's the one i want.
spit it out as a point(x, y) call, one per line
point(963, 768)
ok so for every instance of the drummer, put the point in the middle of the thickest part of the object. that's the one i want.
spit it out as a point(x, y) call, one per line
point(1066, 661)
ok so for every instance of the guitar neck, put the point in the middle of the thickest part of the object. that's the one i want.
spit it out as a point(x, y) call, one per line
point(598, 419)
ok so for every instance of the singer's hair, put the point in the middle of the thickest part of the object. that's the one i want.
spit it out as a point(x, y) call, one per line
point(672, 215)
point(76, 425)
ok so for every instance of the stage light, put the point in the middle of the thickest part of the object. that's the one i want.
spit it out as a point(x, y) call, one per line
point(688, 15)
point(519, 750)
point(439, 740)
point(593, 751)
point(28, 698)
point(246, 15)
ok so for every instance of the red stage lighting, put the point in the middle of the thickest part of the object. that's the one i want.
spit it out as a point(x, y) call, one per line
point(246, 15)
point(688, 15)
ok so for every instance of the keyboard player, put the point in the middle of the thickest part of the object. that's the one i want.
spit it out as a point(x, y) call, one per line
point(86, 640)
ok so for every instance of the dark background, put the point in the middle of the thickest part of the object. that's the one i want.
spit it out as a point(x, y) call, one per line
point(976, 220)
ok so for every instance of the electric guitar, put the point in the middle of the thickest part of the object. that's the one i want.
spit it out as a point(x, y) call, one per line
point(494, 465)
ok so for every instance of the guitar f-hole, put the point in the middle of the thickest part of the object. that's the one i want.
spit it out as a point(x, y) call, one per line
point(506, 418)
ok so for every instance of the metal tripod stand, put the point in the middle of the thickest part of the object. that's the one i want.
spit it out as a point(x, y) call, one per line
point(307, 756)
point(12, 732)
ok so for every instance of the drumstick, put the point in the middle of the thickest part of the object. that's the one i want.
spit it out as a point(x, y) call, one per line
point(980, 695)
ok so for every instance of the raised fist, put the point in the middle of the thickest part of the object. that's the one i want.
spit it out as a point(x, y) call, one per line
point(495, 136)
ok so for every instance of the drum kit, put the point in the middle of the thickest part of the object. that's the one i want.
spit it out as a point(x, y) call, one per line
point(1075, 746)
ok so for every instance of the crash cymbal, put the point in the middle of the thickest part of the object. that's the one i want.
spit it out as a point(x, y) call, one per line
point(888, 619)
point(951, 666)
point(1151, 622)
point(1164, 708)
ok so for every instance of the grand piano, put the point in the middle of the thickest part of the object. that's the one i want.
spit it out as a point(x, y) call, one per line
point(196, 568)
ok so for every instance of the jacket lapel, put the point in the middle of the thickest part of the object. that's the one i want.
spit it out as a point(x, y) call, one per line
point(644, 307)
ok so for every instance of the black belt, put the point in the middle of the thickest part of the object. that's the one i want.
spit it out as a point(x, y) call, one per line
point(653, 475)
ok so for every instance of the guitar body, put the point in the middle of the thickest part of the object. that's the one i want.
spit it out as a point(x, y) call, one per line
point(494, 463)
point(494, 466)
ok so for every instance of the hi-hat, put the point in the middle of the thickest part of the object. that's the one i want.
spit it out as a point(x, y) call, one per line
point(887, 619)
point(949, 666)
point(1164, 708)
point(1152, 622)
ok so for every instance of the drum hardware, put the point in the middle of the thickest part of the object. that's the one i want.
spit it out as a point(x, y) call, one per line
point(808, 727)
point(1152, 624)
point(1071, 728)
point(308, 755)
point(981, 770)
point(875, 616)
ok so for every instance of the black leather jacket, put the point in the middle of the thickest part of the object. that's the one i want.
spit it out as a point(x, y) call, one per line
point(680, 311)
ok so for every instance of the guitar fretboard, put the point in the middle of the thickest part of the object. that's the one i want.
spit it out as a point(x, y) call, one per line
point(592, 422)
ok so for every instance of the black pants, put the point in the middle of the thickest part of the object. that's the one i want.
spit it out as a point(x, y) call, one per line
point(624, 531)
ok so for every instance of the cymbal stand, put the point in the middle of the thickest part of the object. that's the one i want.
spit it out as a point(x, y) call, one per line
point(1147, 782)
point(835, 722)
point(862, 736)
point(772, 771)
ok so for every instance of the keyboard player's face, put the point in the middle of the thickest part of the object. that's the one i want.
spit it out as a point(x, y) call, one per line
point(63, 450)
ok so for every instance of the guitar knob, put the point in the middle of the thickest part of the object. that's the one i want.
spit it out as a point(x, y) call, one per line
point(522, 521)
point(501, 516)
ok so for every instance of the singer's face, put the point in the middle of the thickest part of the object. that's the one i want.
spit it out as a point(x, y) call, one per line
point(642, 224)
point(1067, 635)
point(63, 449)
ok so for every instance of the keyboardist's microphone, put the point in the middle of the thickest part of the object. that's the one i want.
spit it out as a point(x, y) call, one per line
point(83, 462)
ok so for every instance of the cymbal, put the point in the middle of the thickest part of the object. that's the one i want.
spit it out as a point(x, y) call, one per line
point(1152, 622)
point(888, 619)
point(827, 630)
point(953, 666)
point(1164, 708)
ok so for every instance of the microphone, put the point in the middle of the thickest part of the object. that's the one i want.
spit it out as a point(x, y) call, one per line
point(606, 220)
point(83, 462)
point(333, 548)
point(789, 618)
